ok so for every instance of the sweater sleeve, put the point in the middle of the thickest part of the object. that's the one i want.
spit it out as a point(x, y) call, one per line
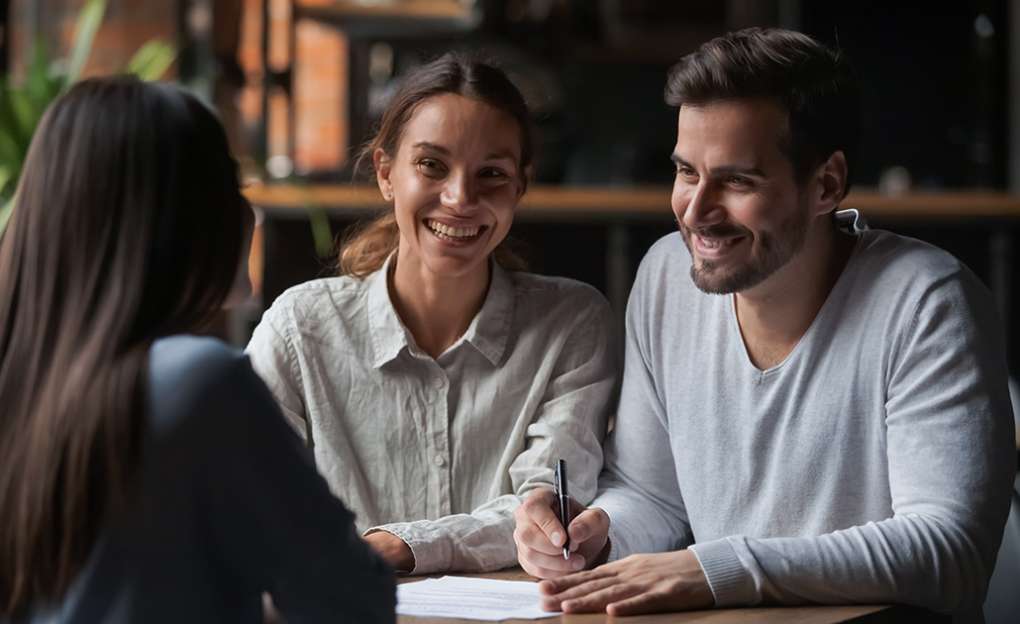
point(950, 461)
point(638, 487)
point(570, 423)
point(273, 518)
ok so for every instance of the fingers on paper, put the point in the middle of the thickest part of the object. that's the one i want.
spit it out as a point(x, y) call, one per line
point(597, 595)
point(647, 602)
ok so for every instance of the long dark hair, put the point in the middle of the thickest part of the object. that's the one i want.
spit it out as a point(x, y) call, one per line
point(127, 227)
point(366, 249)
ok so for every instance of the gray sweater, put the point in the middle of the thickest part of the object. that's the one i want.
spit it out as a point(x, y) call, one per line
point(873, 464)
point(229, 506)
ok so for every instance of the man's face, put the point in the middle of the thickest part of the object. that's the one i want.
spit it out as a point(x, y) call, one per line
point(736, 201)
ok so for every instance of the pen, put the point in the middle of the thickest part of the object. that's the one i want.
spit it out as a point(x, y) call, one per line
point(564, 500)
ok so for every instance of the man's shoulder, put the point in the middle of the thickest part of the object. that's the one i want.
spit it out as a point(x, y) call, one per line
point(902, 266)
point(668, 250)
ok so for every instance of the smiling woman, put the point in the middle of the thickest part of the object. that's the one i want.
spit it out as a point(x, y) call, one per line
point(435, 381)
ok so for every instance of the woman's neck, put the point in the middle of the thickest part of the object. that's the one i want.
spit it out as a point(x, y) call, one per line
point(436, 309)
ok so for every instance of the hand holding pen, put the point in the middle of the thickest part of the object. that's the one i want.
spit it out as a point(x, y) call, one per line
point(554, 540)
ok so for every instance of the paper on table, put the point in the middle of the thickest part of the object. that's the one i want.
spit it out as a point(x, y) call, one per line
point(472, 598)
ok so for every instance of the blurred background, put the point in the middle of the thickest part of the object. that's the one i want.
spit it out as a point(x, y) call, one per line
point(300, 83)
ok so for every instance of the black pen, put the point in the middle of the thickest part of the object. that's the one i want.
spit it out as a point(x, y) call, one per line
point(564, 499)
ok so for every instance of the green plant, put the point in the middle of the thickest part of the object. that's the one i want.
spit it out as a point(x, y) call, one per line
point(22, 106)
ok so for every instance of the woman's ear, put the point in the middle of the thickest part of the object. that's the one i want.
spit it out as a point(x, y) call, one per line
point(381, 163)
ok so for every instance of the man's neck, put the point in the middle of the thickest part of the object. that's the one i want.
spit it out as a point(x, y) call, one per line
point(774, 315)
point(436, 309)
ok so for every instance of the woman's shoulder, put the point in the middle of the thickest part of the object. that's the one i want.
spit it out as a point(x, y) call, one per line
point(558, 300)
point(555, 289)
point(318, 299)
point(188, 373)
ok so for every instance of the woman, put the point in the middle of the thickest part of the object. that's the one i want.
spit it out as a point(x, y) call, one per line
point(147, 475)
point(435, 382)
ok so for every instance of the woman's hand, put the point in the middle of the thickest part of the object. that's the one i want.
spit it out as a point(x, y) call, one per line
point(392, 549)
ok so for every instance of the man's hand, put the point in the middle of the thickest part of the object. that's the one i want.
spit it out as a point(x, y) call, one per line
point(393, 549)
point(638, 584)
point(540, 536)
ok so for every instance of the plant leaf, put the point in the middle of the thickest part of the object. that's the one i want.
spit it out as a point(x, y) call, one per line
point(322, 233)
point(5, 177)
point(89, 19)
point(5, 214)
point(152, 60)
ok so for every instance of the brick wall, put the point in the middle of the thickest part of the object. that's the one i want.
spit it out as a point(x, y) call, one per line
point(319, 71)
point(319, 85)
point(128, 25)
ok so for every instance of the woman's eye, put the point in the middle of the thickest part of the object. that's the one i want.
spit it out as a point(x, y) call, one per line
point(430, 167)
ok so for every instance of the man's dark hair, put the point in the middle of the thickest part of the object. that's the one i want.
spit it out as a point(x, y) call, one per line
point(814, 83)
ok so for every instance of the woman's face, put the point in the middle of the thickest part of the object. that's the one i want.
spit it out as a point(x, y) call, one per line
point(455, 181)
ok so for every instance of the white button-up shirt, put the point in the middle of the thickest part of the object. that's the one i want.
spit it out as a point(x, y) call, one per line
point(440, 451)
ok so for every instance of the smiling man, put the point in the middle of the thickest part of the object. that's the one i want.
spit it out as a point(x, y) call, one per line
point(807, 414)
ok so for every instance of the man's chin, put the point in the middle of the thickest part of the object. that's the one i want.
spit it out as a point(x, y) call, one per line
point(714, 281)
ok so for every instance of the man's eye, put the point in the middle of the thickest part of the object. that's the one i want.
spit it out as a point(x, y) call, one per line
point(738, 181)
point(492, 173)
point(686, 172)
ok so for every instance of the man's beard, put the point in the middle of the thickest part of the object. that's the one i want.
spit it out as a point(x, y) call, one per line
point(773, 252)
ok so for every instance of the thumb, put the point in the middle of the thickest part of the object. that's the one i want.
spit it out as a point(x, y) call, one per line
point(590, 523)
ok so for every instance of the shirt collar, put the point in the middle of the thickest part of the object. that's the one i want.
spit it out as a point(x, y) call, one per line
point(388, 334)
point(488, 332)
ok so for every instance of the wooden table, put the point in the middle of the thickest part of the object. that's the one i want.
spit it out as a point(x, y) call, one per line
point(767, 615)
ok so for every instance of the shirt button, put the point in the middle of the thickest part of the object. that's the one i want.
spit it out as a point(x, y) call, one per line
point(440, 460)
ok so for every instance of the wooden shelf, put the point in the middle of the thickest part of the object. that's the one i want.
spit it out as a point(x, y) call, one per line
point(349, 10)
point(579, 203)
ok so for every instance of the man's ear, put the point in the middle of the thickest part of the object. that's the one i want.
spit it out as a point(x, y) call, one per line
point(381, 163)
point(831, 178)
point(526, 177)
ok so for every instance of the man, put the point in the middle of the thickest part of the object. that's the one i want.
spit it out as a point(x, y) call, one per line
point(811, 416)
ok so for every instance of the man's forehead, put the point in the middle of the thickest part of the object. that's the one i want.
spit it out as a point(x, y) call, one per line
point(745, 128)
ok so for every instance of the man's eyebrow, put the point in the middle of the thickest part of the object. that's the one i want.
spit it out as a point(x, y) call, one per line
point(501, 154)
point(724, 169)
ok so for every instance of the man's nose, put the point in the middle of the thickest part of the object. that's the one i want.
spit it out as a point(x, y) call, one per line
point(698, 207)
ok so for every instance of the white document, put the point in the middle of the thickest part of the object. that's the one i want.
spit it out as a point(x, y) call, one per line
point(471, 598)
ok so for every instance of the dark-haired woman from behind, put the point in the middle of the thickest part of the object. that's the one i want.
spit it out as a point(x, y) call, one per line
point(146, 475)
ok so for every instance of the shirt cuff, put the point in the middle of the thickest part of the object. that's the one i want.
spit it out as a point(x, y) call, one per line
point(429, 554)
point(731, 584)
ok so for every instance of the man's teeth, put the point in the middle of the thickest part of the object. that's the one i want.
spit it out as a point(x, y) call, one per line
point(716, 243)
point(452, 232)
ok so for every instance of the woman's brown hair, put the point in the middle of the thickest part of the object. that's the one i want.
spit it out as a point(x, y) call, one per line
point(366, 248)
point(127, 227)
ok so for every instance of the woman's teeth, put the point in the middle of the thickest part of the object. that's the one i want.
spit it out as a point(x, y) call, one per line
point(452, 232)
